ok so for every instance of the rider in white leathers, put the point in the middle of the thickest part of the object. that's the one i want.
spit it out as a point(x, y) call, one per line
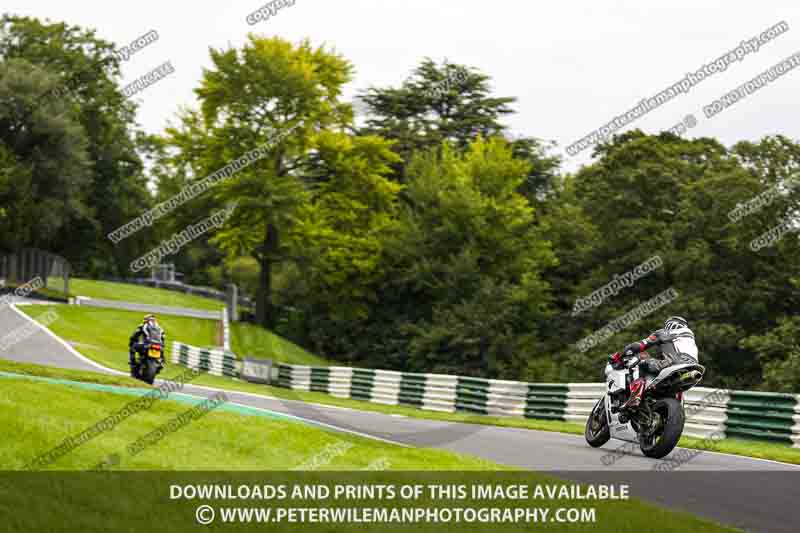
point(676, 345)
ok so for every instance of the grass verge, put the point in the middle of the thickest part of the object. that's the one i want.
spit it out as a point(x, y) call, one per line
point(41, 415)
point(128, 292)
point(102, 334)
point(249, 340)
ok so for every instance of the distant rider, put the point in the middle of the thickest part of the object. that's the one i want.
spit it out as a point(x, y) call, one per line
point(149, 331)
point(676, 344)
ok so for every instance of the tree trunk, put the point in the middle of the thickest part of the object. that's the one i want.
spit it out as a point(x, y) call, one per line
point(265, 312)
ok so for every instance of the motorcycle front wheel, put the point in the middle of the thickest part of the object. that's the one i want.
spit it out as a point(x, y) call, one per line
point(597, 432)
point(669, 428)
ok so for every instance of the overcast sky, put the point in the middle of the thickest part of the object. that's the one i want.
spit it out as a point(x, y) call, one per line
point(573, 65)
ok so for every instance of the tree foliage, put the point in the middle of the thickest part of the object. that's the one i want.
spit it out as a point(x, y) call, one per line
point(43, 156)
point(427, 238)
point(83, 89)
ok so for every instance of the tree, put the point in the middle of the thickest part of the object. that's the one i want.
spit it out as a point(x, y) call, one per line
point(452, 103)
point(476, 244)
point(464, 236)
point(435, 104)
point(651, 195)
point(172, 169)
point(85, 86)
point(43, 157)
point(778, 353)
point(276, 96)
point(340, 235)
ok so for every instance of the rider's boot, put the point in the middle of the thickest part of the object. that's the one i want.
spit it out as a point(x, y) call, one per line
point(636, 390)
point(132, 364)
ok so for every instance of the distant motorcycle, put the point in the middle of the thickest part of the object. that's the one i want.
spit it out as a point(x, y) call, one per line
point(149, 362)
point(657, 423)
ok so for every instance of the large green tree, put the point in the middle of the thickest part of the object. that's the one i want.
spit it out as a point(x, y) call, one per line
point(459, 289)
point(43, 159)
point(340, 235)
point(312, 183)
point(662, 195)
point(86, 87)
point(453, 104)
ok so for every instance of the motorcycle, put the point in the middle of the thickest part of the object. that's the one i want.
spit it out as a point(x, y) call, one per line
point(657, 423)
point(149, 362)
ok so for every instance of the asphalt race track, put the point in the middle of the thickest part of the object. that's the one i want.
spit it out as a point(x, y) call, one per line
point(750, 494)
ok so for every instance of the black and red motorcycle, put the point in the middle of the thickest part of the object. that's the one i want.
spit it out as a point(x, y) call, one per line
point(149, 362)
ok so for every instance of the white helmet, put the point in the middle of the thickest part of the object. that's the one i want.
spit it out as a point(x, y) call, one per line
point(675, 323)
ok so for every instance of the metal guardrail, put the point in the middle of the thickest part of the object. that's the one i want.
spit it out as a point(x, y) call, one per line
point(226, 331)
point(183, 288)
point(29, 263)
point(147, 308)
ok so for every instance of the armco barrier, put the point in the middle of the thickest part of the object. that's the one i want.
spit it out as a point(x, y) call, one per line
point(177, 286)
point(718, 412)
point(226, 331)
point(215, 362)
point(148, 308)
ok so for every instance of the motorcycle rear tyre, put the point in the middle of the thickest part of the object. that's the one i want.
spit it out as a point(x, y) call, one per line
point(672, 429)
point(149, 370)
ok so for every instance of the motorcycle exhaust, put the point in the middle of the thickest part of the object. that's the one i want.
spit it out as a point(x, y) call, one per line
point(695, 375)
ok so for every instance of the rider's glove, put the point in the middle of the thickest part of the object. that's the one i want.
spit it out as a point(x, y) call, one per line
point(628, 353)
point(615, 360)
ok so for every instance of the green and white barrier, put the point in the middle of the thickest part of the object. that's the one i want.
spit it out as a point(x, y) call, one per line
point(215, 362)
point(759, 415)
point(709, 412)
point(754, 415)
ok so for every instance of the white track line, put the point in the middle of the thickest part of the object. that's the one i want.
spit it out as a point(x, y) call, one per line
point(75, 353)
point(308, 421)
point(745, 457)
point(65, 344)
point(276, 399)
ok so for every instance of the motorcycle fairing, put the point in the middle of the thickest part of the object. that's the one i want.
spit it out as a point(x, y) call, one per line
point(619, 430)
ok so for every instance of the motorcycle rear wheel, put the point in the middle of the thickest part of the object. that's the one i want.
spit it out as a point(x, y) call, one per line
point(149, 370)
point(669, 432)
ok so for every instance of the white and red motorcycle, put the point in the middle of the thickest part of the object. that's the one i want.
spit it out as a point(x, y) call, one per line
point(657, 423)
